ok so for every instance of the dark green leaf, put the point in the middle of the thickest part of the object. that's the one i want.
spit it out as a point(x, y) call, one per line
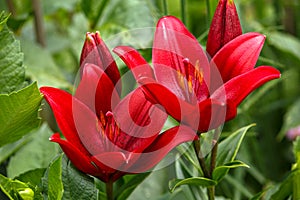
point(228, 148)
point(55, 185)
point(130, 184)
point(221, 171)
point(77, 185)
point(47, 150)
point(19, 113)
point(12, 74)
point(198, 181)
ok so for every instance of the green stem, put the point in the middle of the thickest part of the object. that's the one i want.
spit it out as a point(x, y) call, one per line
point(208, 12)
point(214, 151)
point(165, 7)
point(99, 13)
point(110, 190)
point(211, 192)
point(200, 158)
point(183, 11)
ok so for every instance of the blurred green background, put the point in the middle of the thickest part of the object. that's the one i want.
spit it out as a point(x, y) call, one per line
point(52, 34)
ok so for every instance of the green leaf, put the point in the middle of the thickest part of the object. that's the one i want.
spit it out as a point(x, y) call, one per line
point(228, 148)
point(19, 113)
point(12, 74)
point(77, 185)
point(198, 181)
point(130, 184)
point(39, 152)
point(55, 185)
point(221, 171)
point(9, 149)
point(43, 68)
point(3, 20)
point(285, 42)
point(15, 189)
point(32, 177)
point(291, 119)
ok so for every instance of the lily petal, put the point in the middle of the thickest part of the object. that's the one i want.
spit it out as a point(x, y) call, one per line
point(163, 144)
point(239, 55)
point(75, 120)
point(238, 88)
point(139, 120)
point(173, 44)
point(96, 90)
point(95, 51)
point(159, 94)
point(77, 157)
point(225, 26)
point(136, 63)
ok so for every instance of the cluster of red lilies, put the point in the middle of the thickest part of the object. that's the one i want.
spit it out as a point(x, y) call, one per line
point(107, 136)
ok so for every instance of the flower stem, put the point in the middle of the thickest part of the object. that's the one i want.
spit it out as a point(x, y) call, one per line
point(99, 13)
point(183, 12)
point(200, 158)
point(208, 12)
point(110, 190)
point(165, 7)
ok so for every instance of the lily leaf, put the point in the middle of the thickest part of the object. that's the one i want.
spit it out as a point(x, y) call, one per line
point(198, 181)
point(77, 185)
point(228, 148)
point(12, 74)
point(19, 113)
point(221, 171)
point(55, 185)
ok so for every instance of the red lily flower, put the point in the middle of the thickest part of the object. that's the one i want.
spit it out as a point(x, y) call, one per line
point(224, 27)
point(200, 93)
point(107, 137)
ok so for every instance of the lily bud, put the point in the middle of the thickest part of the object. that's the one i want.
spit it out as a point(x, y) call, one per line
point(96, 52)
point(225, 26)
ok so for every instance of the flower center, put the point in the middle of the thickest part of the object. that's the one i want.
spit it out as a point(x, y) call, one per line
point(108, 128)
point(190, 78)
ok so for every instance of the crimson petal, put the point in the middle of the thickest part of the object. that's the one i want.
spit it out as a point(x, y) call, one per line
point(136, 63)
point(239, 55)
point(238, 88)
point(173, 44)
point(76, 121)
point(163, 144)
point(77, 157)
point(139, 120)
point(96, 90)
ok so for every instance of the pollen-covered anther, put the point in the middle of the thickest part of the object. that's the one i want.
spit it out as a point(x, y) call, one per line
point(198, 73)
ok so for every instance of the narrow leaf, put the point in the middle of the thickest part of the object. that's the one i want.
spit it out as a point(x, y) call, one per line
point(55, 185)
point(198, 181)
point(221, 171)
point(229, 147)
